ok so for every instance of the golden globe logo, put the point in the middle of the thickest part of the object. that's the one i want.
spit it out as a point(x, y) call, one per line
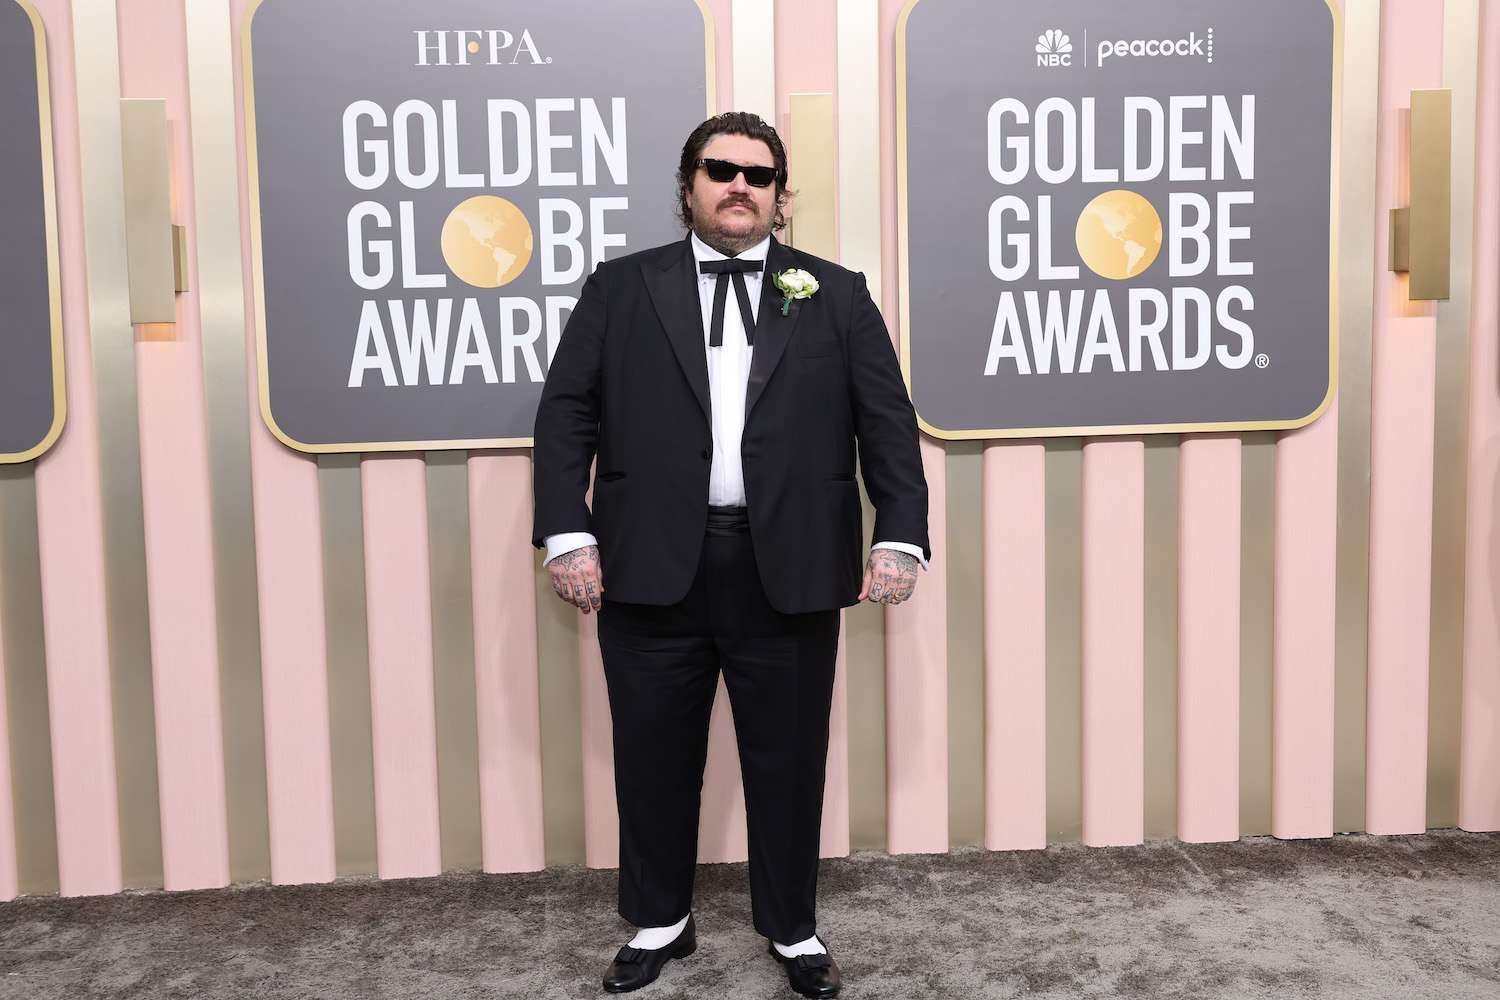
point(491, 46)
point(1118, 234)
point(1173, 323)
point(487, 241)
point(542, 147)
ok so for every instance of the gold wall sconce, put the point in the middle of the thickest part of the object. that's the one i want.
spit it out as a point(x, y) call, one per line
point(1419, 235)
point(155, 249)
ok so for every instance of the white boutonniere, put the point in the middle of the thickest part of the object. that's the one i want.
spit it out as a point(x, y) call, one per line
point(794, 284)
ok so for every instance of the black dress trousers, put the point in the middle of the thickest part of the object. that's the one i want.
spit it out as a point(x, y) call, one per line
point(662, 666)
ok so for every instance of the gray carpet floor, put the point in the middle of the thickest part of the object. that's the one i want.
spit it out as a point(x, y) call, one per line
point(1354, 916)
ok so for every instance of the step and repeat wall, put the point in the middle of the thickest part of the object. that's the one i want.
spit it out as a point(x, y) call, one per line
point(1213, 498)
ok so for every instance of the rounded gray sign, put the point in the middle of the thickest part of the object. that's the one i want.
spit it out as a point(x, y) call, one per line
point(1118, 215)
point(432, 183)
point(33, 403)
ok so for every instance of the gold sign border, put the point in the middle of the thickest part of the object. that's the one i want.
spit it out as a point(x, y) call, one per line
point(1126, 429)
point(54, 269)
point(252, 172)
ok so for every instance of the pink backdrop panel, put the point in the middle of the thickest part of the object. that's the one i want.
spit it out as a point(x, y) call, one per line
point(1304, 601)
point(506, 684)
point(1302, 685)
point(916, 633)
point(71, 534)
point(1403, 382)
point(1479, 766)
point(1015, 645)
point(398, 595)
point(175, 496)
point(1114, 526)
point(294, 658)
point(1208, 639)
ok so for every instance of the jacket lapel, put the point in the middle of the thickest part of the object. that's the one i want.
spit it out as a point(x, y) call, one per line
point(672, 283)
point(772, 330)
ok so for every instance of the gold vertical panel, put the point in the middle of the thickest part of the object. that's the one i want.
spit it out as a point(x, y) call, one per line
point(453, 658)
point(965, 643)
point(810, 146)
point(1430, 167)
point(1356, 298)
point(26, 681)
point(1257, 546)
point(179, 259)
point(349, 721)
point(1400, 240)
point(221, 308)
point(562, 724)
point(1451, 432)
point(97, 62)
point(864, 652)
point(1160, 722)
point(1064, 585)
point(148, 210)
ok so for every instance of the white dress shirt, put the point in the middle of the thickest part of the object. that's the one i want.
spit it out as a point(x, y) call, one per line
point(728, 372)
point(728, 378)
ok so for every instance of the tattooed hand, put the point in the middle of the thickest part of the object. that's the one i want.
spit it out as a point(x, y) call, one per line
point(890, 576)
point(575, 578)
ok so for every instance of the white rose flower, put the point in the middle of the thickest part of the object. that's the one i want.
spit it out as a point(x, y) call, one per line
point(794, 284)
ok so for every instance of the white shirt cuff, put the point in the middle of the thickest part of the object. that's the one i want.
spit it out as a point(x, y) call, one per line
point(566, 542)
point(907, 547)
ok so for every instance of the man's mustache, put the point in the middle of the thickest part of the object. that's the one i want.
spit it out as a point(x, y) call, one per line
point(733, 200)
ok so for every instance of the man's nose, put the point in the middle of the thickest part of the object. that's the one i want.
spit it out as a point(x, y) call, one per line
point(738, 185)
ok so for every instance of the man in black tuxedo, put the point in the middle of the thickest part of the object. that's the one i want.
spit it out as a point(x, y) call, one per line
point(724, 397)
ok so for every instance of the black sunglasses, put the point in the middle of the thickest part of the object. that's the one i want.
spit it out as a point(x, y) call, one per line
point(723, 171)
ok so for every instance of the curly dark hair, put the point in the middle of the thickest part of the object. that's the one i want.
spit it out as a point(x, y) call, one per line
point(730, 123)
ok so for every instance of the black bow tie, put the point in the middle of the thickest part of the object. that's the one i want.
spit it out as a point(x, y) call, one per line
point(725, 269)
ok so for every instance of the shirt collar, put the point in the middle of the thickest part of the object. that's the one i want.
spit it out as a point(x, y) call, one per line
point(702, 251)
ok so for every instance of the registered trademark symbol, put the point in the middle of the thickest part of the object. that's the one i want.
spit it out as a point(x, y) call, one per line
point(1261, 361)
point(549, 59)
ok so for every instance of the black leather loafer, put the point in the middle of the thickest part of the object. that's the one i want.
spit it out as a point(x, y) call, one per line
point(810, 975)
point(637, 967)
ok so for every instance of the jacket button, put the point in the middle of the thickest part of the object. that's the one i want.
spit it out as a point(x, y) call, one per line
point(707, 453)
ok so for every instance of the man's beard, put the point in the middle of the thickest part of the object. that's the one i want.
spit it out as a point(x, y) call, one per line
point(727, 243)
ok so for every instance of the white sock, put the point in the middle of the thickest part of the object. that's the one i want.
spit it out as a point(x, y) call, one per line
point(652, 938)
point(812, 946)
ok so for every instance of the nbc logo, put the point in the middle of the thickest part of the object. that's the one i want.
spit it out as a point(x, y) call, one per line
point(1054, 48)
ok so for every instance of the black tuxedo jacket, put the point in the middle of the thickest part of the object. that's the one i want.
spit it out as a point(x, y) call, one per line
point(629, 384)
